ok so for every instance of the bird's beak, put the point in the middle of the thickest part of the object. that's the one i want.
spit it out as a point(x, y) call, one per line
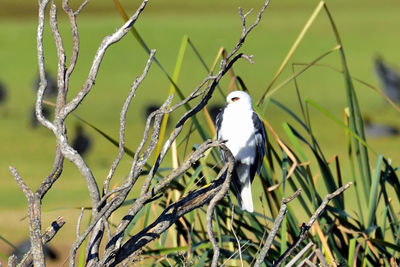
point(229, 101)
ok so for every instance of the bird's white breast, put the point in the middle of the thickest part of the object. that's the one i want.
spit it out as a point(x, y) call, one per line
point(238, 129)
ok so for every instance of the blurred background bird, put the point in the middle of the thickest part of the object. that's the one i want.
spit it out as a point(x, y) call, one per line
point(81, 142)
point(46, 111)
point(389, 79)
point(51, 89)
point(377, 130)
point(21, 249)
point(3, 94)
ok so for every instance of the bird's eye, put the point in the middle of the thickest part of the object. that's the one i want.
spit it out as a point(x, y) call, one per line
point(235, 99)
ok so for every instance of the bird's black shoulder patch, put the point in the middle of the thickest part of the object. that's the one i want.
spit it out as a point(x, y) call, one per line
point(218, 121)
point(260, 136)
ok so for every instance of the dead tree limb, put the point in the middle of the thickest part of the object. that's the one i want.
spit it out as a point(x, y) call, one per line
point(50, 232)
point(103, 205)
point(171, 214)
point(275, 228)
point(305, 227)
point(34, 219)
point(230, 161)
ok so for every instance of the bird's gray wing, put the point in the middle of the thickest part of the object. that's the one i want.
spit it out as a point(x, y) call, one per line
point(218, 123)
point(259, 133)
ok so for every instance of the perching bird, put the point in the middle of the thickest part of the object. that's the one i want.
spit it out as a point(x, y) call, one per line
point(244, 133)
point(389, 79)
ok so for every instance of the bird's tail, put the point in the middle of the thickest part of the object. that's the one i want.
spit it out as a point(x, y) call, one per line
point(246, 198)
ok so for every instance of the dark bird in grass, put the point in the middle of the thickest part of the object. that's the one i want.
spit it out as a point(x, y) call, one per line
point(148, 109)
point(51, 88)
point(376, 130)
point(21, 249)
point(389, 79)
point(33, 119)
point(244, 133)
point(81, 142)
point(3, 94)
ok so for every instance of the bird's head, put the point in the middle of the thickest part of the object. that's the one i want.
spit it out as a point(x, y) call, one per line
point(237, 98)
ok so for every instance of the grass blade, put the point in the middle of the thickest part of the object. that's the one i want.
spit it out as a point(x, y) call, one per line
point(352, 248)
point(356, 121)
point(178, 66)
point(296, 74)
point(298, 40)
point(373, 203)
point(338, 122)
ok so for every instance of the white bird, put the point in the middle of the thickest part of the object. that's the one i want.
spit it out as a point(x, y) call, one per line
point(244, 134)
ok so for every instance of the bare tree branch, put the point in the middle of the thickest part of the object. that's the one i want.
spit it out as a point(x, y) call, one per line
point(116, 202)
point(230, 161)
point(105, 44)
point(299, 255)
point(75, 41)
point(50, 232)
point(60, 56)
point(275, 227)
point(246, 31)
point(34, 219)
point(305, 227)
point(103, 207)
point(81, 7)
point(168, 217)
point(43, 81)
point(12, 261)
point(124, 110)
point(53, 176)
point(115, 244)
point(237, 239)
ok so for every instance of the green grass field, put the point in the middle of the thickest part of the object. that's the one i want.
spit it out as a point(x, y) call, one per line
point(367, 28)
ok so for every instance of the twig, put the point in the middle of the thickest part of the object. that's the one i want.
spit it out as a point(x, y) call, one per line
point(245, 31)
point(230, 161)
point(43, 81)
point(168, 217)
point(305, 227)
point(12, 261)
point(34, 218)
point(81, 7)
point(78, 224)
point(234, 233)
point(115, 242)
point(236, 252)
point(50, 232)
point(61, 96)
point(53, 176)
point(105, 44)
point(124, 110)
point(299, 255)
point(75, 40)
point(322, 260)
point(275, 227)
